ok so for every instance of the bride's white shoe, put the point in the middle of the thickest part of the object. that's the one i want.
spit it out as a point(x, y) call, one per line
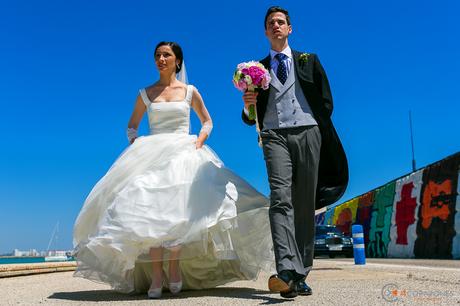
point(154, 293)
point(175, 288)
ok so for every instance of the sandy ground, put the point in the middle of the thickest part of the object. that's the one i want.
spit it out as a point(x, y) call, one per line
point(334, 282)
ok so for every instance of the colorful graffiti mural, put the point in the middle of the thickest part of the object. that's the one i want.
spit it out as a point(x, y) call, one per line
point(345, 215)
point(379, 232)
point(364, 213)
point(417, 215)
point(405, 215)
point(329, 216)
point(435, 230)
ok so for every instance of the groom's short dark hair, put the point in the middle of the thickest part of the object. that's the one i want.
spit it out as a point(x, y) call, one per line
point(275, 9)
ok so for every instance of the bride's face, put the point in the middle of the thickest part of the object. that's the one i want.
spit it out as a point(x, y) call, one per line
point(165, 59)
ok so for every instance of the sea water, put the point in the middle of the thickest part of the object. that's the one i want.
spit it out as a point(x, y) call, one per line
point(20, 260)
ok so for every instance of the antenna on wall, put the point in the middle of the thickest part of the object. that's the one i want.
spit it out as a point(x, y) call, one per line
point(412, 142)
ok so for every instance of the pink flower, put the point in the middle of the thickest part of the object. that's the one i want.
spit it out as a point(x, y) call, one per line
point(251, 75)
point(242, 85)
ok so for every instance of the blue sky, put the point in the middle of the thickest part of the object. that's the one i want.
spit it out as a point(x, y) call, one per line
point(70, 72)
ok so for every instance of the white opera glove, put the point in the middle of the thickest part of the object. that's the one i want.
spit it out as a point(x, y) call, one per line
point(206, 128)
point(131, 133)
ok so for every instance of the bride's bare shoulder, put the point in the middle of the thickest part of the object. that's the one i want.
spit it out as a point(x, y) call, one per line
point(180, 84)
point(152, 87)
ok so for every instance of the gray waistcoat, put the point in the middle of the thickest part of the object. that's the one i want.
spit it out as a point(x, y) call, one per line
point(287, 105)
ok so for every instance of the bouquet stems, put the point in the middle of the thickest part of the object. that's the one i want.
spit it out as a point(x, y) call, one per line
point(252, 109)
point(252, 112)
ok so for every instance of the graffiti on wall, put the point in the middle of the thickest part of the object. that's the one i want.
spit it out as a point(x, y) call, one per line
point(435, 229)
point(329, 216)
point(364, 213)
point(319, 218)
point(379, 232)
point(415, 216)
point(405, 215)
point(344, 215)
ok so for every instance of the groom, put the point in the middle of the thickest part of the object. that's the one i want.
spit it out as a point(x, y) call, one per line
point(306, 163)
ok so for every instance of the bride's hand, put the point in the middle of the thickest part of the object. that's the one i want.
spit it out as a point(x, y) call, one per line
point(199, 144)
point(200, 140)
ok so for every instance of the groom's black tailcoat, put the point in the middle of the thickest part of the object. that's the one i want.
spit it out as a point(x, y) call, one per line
point(333, 166)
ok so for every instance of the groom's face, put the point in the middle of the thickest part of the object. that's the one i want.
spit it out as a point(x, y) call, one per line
point(277, 27)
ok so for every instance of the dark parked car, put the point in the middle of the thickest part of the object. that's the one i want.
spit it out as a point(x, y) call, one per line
point(329, 240)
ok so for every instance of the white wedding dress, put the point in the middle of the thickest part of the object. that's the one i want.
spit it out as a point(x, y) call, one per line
point(162, 191)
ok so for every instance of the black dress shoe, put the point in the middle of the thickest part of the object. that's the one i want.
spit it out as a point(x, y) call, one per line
point(302, 288)
point(283, 283)
point(289, 295)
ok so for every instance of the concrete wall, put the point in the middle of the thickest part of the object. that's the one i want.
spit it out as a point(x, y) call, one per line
point(10, 270)
point(415, 216)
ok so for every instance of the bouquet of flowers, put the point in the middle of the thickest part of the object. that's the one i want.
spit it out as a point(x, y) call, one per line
point(251, 76)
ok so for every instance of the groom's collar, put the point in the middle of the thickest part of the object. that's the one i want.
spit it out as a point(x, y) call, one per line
point(286, 51)
point(266, 61)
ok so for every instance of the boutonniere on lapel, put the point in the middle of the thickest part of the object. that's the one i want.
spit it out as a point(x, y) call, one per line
point(303, 58)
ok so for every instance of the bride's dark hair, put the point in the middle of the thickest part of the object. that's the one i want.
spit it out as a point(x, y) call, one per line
point(176, 49)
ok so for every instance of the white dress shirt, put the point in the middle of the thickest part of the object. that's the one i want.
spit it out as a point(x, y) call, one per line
point(288, 61)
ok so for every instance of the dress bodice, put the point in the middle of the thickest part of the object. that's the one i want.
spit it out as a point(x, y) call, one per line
point(169, 117)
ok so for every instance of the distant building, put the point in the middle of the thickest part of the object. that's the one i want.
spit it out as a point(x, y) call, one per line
point(31, 252)
point(55, 253)
point(35, 253)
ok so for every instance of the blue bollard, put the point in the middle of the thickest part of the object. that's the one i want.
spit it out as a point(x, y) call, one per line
point(358, 244)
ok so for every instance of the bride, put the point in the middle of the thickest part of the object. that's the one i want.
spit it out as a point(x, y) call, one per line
point(168, 214)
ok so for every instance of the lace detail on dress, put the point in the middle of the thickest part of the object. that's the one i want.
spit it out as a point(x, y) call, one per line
point(189, 94)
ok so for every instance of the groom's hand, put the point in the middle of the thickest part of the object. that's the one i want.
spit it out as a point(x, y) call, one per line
point(249, 97)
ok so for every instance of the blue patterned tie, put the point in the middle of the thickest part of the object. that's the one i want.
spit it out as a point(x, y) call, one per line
point(281, 73)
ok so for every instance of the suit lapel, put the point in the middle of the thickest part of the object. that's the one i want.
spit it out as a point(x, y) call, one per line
point(275, 83)
point(295, 58)
point(262, 98)
point(298, 69)
point(301, 69)
point(266, 62)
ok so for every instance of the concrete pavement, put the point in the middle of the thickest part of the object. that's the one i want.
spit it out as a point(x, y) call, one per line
point(334, 282)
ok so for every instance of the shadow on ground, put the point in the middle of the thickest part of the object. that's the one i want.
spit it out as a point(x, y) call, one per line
point(230, 292)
